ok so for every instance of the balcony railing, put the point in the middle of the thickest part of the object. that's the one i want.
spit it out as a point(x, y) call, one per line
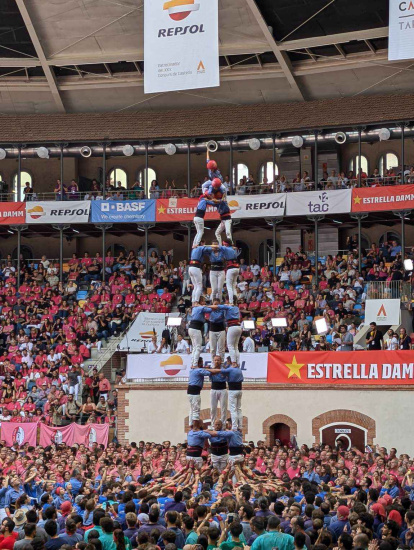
point(383, 290)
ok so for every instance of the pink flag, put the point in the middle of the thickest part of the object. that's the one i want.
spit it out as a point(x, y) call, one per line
point(90, 434)
point(21, 433)
point(54, 436)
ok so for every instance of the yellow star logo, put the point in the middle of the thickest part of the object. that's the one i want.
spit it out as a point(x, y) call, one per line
point(357, 200)
point(161, 210)
point(294, 368)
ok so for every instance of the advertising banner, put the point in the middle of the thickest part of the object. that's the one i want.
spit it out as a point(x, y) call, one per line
point(12, 213)
point(181, 49)
point(319, 202)
point(123, 211)
point(58, 212)
point(181, 210)
point(257, 206)
point(55, 436)
point(341, 368)
point(19, 432)
point(143, 329)
point(178, 365)
point(401, 26)
point(383, 312)
point(375, 199)
point(90, 434)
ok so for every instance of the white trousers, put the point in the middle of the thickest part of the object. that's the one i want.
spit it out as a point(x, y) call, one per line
point(231, 283)
point(196, 342)
point(217, 283)
point(219, 462)
point(196, 277)
point(233, 337)
point(224, 225)
point(199, 225)
point(217, 344)
point(235, 399)
point(236, 459)
point(198, 461)
point(217, 396)
point(195, 405)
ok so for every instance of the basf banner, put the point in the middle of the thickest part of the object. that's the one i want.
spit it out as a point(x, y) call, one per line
point(181, 50)
point(401, 26)
point(319, 202)
point(58, 212)
point(375, 199)
point(123, 211)
point(383, 312)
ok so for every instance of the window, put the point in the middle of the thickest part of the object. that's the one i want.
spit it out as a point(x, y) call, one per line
point(117, 175)
point(151, 176)
point(242, 171)
point(245, 251)
point(266, 252)
point(25, 177)
point(354, 165)
point(387, 161)
point(266, 171)
point(389, 236)
point(25, 252)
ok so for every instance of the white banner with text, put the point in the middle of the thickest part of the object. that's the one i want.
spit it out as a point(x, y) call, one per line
point(319, 202)
point(383, 312)
point(401, 27)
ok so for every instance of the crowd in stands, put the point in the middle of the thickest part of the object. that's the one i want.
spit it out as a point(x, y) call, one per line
point(149, 496)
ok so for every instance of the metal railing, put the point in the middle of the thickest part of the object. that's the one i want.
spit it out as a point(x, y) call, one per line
point(383, 290)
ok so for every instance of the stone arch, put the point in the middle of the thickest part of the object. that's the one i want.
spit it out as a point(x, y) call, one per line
point(278, 419)
point(205, 414)
point(344, 415)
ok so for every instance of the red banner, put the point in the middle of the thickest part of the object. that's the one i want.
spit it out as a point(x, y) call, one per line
point(375, 199)
point(181, 210)
point(20, 433)
point(55, 436)
point(90, 434)
point(12, 213)
point(341, 368)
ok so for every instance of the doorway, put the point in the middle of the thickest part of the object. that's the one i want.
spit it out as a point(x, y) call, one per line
point(281, 432)
point(344, 436)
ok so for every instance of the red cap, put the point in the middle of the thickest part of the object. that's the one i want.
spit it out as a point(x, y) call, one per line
point(212, 165)
point(216, 182)
point(66, 506)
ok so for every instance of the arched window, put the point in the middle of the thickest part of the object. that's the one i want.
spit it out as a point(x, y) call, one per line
point(118, 175)
point(25, 252)
point(266, 171)
point(152, 175)
point(242, 171)
point(389, 236)
point(354, 164)
point(244, 251)
point(387, 161)
point(25, 177)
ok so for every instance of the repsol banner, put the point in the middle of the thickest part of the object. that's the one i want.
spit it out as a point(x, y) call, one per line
point(257, 206)
point(181, 49)
point(58, 212)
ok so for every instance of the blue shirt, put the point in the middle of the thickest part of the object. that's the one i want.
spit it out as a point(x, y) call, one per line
point(337, 528)
point(203, 203)
point(198, 253)
point(232, 313)
point(196, 439)
point(196, 377)
point(216, 316)
point(197, 314)
point(229, 252)
point(311, 476)
point(76, 485)
point(11, 496)
point(235, 438)
point(233, 374)
point(216, 257)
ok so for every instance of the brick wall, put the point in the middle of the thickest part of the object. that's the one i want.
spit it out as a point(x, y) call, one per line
point(344, 416)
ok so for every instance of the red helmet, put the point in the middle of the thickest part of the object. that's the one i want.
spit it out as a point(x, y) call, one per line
point(216, 183)
point(212, 165)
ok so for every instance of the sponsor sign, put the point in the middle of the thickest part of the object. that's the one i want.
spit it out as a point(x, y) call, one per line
point(58, 212)
point(12, 213)
point(143, 329)
point(253, 365)
point(319, 202)
point(181, 210)
point(383, 312)
point(375, 199)
point(123, 211)
point(20, 433)
point(257, 206)
point(401, 27)
point(341, 368)
point(181, 50)
point(343, 430)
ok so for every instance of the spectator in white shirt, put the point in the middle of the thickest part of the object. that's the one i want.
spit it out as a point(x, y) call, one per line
point(391, 342)
point(182, 345)
point(164, 347)
point(152, 346)
point(255, 268)
point(248, 345)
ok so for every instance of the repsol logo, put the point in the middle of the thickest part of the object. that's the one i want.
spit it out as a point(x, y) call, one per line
point(264, 205)
point(174, 31)
point(70, 212)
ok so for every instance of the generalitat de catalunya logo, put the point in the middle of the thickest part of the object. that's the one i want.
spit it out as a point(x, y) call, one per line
point(36, 212)
point(173, 365)
point(180, 9)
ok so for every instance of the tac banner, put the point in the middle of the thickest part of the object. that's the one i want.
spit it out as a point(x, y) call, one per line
point(142, 330)
point(12, 213)
point(181, 210)
point(90, 434)
point(383, 312)
point(375, 199)
point(341, 368)
point(181, 49)
point(257, 206)
point(319, 202)
point(54, 436)
point(58, 212)
point(110, 211)
point(178, 365)
point(19, 432)
point(401, 26)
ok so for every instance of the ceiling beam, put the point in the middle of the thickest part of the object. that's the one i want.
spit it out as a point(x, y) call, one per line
point(50, 76)
point(282, 57)
point(339, 38)
point(19, 62)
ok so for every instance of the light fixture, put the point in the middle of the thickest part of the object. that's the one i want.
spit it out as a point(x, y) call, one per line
point(384, 134)
point(86, 151)
point(170, 149)
point(128, 150)
point(279, 322)
point(254, 144)
point(173, 321)
point(249, 325)
point(140, 228)
point(321, 326)
point(340, 138)
point(10, 231)
point(408, 265)
point(3, 154)
point(42, 152)
point(75, 230)
point(297, 141)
